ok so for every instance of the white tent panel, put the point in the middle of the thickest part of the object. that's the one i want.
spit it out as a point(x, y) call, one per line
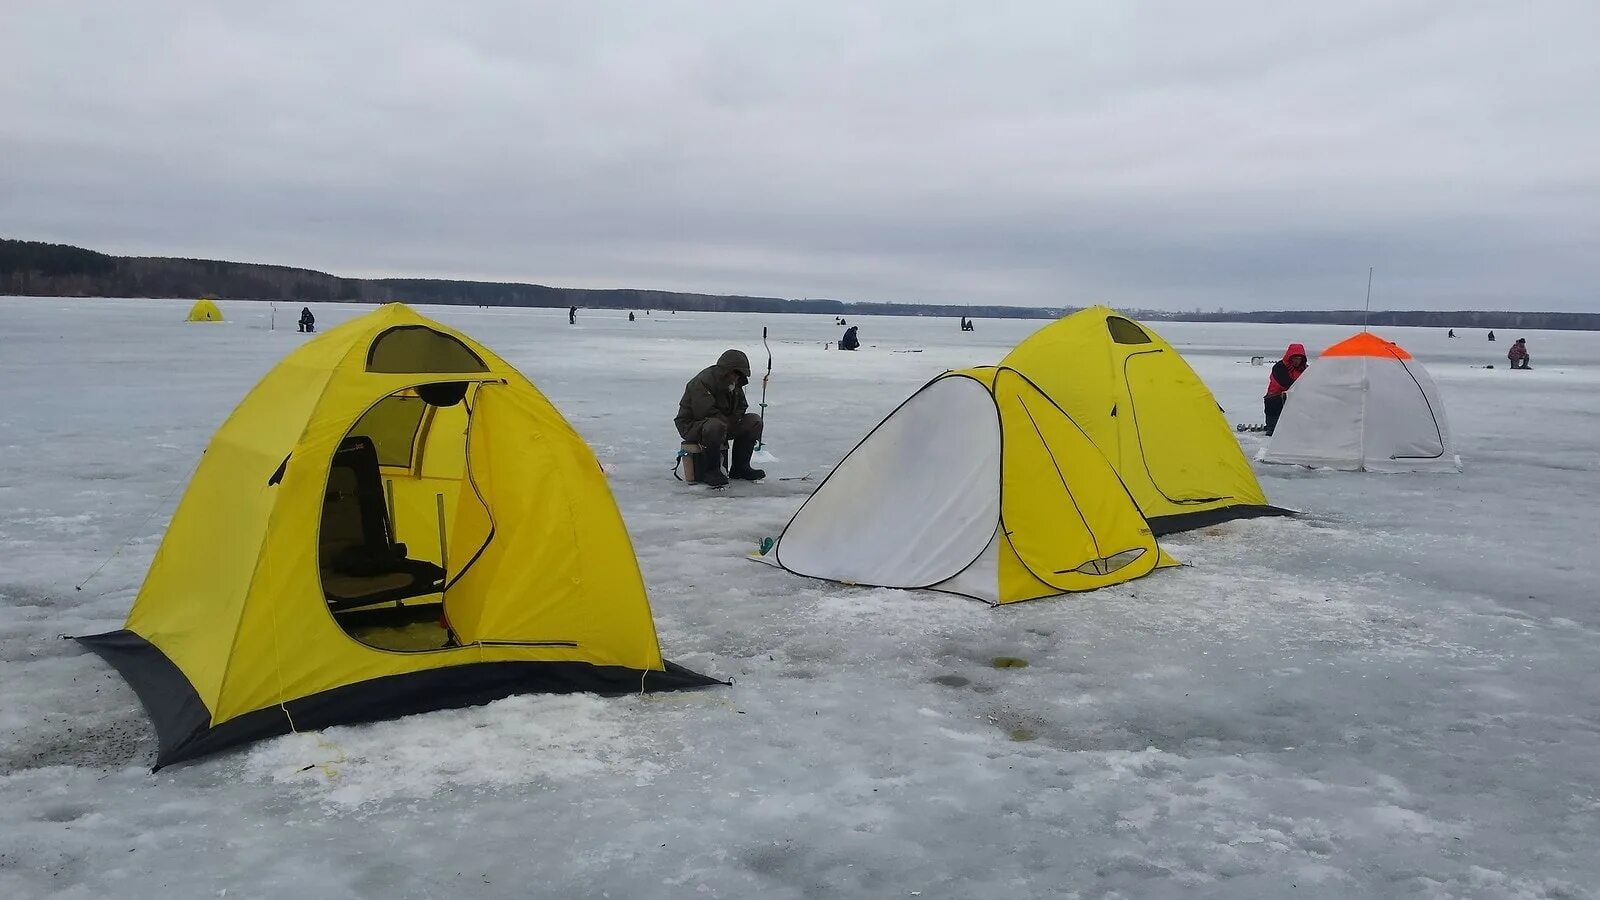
point(1406, 429)
point(915, 503)
point(981, 579)
point(1322, 423)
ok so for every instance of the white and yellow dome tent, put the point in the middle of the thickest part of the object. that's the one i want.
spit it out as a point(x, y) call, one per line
point(977, 485)
point(392, 521)
point(1365, 405)
point(1149, 413)
point(204, 310)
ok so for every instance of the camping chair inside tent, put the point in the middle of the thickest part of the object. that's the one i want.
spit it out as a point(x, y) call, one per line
point(393, 521)
point(977, 485)
point(360, 560)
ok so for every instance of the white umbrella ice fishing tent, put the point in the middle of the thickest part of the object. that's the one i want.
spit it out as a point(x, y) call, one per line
point(978, 485)
point(1366, 406)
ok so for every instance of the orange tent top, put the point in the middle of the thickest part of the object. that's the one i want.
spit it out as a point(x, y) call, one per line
point(1367, 344)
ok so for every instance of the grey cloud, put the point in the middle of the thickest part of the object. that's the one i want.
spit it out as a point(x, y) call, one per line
point(1165, 155)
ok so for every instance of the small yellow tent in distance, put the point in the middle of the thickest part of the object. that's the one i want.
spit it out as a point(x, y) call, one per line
point(393, 521)
point(204, 310)
point(1149, 413)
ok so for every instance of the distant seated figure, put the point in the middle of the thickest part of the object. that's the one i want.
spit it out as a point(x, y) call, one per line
point(714, 411)
point(1452, 333)
point(1285, 373)
point(630, 317)
point(970, 326)
point(1491, 336)
point(850, 341)
point(308, 322)
point(1518, 354)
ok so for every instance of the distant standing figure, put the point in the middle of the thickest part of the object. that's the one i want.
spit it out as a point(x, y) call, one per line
point(1285, 373)
point(1518, 354)
point(850, 341)
point(308, 322)
point(572, 315)
point(1491, 337)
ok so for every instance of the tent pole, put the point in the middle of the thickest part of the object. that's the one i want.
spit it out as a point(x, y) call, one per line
point(1367, 316)
point(761, 444)
point(444, 553)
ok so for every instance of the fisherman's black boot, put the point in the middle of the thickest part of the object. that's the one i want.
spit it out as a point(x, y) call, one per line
point(711, 468)
point(742, 449)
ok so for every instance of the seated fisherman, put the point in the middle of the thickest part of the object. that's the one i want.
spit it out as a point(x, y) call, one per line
point(714, 411)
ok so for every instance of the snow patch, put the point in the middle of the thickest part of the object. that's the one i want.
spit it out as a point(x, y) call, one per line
point(527, 740)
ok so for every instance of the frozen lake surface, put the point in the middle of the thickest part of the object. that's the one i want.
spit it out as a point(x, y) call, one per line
point(1397, 695)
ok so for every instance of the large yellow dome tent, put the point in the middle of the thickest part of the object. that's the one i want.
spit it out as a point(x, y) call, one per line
point(977, 485)
point(204, 310)
point(1149, 413)
point(392, 521)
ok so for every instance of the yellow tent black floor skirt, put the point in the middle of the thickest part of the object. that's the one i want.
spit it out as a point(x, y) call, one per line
point(384, 463)
point(184, 730)
point(1180, 522)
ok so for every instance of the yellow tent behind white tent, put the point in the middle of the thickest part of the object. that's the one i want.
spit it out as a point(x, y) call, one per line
point(1149, 413)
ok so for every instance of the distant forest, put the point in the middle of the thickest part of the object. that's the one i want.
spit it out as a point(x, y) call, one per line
point(31, 268)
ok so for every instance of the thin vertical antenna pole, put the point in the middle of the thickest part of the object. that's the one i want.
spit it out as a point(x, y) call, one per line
point(1367, 316)
point(761, 444)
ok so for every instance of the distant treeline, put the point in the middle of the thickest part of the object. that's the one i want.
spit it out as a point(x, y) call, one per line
point(1461, 319)
point(30, 268)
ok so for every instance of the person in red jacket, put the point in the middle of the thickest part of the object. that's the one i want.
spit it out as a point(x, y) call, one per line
point(1284, 374)
point(1518, 354)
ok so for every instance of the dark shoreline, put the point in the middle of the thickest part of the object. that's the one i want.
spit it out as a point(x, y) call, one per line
point(30, 268)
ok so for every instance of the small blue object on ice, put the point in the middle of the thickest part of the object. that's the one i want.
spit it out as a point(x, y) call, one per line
point(766, 545)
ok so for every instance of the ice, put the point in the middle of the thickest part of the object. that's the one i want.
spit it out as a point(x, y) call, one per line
point(1394, 695)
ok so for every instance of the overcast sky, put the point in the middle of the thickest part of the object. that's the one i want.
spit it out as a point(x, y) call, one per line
point(1175, 155)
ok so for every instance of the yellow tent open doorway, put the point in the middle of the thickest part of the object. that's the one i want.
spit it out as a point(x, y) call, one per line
point(393, 521)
